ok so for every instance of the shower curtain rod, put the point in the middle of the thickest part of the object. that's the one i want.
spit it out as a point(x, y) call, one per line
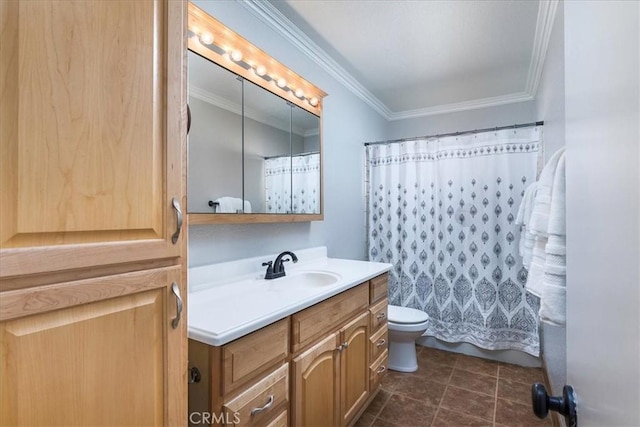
point(494, 129)
point(308, 153)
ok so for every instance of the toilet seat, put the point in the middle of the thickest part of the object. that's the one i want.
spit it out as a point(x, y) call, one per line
point(406, 315)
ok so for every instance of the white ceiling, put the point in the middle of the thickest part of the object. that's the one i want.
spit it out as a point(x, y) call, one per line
point(416, 58)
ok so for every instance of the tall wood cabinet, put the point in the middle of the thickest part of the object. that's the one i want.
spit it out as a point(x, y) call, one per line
point(92, 242)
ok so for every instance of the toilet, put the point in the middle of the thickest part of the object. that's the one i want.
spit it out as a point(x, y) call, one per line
point(405, 326)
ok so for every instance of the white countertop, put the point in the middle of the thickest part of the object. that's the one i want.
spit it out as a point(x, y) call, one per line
point(230, 300)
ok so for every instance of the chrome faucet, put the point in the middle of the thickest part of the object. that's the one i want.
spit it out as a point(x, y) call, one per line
point(275, 269)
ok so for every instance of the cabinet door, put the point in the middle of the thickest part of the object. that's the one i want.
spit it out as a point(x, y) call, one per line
point(316, 384)
point(92, 135)
point(86, 360)
point(354, 376)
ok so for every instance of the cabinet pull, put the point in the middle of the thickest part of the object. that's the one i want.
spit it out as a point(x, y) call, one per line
point(381, 316)
point(345, 344)
point(176, 291)
point(381, 369)
point(340, 347)
point(381, 343)
point(266, 406)
point(176, 206)
point(188, 119)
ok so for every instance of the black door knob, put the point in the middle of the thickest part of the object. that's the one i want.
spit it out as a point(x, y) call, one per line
point(565, 405)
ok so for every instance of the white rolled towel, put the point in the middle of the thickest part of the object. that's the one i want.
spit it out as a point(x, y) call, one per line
point(233, 205)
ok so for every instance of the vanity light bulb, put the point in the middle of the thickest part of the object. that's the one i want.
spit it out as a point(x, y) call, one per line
point(261, 70)
point(299, 93)
point(206, 38)
point(313, 101)
point(282, 82)
point(236, 55)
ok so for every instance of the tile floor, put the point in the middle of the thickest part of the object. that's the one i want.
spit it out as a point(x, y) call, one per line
point(451, 389)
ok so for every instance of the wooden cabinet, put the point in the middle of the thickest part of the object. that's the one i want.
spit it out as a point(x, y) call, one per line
point(246, 358)
point(244, 382)
point(331, 371)
point(256, 405)
point(334, 351)
point(91, 101)
point(354, 367)
point(316, 384)
point(92, 249)
point(105, 361)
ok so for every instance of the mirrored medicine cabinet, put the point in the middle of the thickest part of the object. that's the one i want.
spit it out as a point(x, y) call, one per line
point(254, 143)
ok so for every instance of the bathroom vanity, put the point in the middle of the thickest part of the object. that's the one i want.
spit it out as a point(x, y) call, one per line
point(306, 349)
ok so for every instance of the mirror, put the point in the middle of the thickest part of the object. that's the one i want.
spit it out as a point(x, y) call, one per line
point(274, 166)
point(267, 136)
point(305, 164)
point(254, 147)
point(215, 138)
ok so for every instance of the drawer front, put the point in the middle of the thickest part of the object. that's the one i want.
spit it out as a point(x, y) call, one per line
point(379, 342)
point(258, 404)
point(321, 318)
point(378, 370)
point(378, 286)
point(248, 357)
point(282, 420)
point(378, 315)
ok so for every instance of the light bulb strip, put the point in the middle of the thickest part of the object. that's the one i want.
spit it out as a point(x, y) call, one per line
point(213, 40)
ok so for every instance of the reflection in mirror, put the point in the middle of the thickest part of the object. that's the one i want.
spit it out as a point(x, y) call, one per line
point(305, 162)
point(266, 135)
point(215, 140)
point(293, 178)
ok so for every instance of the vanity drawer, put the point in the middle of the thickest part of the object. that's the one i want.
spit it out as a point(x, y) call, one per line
point(258, 404)
point(378, 370)
point(248, 357)
point(379, 342)
point(318, 320)
point(378, 315)
point(281, 420)
point(378, 287)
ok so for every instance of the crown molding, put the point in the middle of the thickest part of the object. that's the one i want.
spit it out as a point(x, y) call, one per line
point(271, 16)
point(544, 26)
point(274, 19)
point(225, 104)
point(462, 106)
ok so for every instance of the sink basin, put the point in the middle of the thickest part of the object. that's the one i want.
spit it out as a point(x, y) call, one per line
point(308, 278)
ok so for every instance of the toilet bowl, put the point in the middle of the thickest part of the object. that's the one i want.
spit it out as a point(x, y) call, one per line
point(405, 326)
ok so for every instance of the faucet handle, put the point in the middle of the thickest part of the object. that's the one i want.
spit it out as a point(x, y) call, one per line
point(269, 273)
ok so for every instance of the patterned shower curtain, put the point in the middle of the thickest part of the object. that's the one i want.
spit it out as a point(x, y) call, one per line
point(442, 211)
point(294, 180)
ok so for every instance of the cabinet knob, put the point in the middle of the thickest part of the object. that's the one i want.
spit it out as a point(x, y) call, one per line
point(381, 342)
point(381, 316)
point(345, 344)
point(381, 369)
point(266, 406)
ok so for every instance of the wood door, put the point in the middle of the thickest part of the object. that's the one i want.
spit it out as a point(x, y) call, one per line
point(354, 366)
point(91, 105)
point(87, 360)
point(316, 384)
